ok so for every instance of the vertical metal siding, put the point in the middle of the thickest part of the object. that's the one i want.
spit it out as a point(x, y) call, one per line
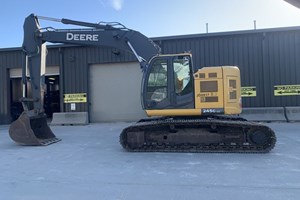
point(97, 55)
point(52, 57)
point(282, 65)
point(3, 96)
point(75, 74)
point(7, 60)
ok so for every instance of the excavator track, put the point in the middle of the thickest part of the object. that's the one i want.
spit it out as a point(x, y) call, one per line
point(217, 134)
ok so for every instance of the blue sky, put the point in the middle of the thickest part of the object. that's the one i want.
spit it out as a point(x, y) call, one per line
point(153, 18)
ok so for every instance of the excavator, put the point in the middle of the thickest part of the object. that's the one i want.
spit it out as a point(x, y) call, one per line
point(189, 110)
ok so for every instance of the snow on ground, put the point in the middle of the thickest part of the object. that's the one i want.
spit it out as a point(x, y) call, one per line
point(90, 164)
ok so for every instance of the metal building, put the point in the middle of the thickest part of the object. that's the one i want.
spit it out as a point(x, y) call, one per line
point(109, 82)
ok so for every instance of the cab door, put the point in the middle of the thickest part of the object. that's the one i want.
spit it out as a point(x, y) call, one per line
point(156, 84)
point(183, 83)
point(168, 83)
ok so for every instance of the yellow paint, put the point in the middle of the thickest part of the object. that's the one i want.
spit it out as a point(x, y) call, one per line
point(174, 112)
point(202, 96)
point(225, 91)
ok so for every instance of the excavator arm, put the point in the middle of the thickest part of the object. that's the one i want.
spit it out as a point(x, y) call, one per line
point(31, 128)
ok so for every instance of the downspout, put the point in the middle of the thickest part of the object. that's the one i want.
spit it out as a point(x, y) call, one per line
point(61, 79)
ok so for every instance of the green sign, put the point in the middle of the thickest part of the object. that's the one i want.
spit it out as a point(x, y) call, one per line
point(248, 91)
point(286, 90)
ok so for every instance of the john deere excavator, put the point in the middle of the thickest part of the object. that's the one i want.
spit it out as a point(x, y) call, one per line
point(190, 110)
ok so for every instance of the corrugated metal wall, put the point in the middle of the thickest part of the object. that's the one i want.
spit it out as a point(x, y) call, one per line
point(3, 97)
point(281, 65)
point(265, 58)
point(7, 60)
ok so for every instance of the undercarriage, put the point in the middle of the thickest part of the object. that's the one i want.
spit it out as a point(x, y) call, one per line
point(220, 134)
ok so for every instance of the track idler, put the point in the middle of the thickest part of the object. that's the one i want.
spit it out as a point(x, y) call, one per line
point(32, 131)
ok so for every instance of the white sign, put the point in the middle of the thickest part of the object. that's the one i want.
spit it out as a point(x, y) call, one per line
point(73, 106)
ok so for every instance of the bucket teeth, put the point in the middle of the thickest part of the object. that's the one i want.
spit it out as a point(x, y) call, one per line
point(49, 141)
point(32, 131)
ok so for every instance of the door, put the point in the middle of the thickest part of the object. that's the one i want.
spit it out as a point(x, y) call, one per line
point(168, 83)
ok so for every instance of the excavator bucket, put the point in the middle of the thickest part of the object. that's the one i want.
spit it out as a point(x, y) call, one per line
point(32, 131)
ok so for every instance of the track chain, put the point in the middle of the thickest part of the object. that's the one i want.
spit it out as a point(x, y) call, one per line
point(234, 123)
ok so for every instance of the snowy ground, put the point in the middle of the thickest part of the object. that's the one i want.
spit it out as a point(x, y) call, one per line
point(90, 164)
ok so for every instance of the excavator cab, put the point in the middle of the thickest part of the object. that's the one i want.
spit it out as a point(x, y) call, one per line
point(173, 88)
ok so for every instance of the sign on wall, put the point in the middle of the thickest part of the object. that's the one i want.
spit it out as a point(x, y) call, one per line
point(75, 98)
point(286, 90)
point(248, 91)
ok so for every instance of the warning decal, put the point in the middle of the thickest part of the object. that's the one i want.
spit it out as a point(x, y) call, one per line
point(75, 98)
point(248, 91)
point(286, 90)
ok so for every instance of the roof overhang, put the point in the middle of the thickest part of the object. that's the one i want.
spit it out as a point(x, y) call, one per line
point(295, 3)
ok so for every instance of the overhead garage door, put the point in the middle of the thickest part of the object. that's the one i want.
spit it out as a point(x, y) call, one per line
point(115, 92)
point(17, 72)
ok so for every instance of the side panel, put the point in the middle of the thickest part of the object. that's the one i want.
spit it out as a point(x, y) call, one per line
point(209, 90)
point(232, 90)
point(174, 112)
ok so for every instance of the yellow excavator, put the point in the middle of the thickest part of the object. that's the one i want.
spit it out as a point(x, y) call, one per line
point(189, 110)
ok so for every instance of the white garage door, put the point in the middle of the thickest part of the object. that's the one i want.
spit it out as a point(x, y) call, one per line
point(17, 72)
point(115, 92)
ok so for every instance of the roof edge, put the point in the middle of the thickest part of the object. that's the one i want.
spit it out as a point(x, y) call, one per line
point(227, 33)
point(187, 36)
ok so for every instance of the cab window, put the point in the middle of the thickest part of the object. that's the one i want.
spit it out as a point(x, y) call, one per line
point(182, 75)
point(157, 87)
